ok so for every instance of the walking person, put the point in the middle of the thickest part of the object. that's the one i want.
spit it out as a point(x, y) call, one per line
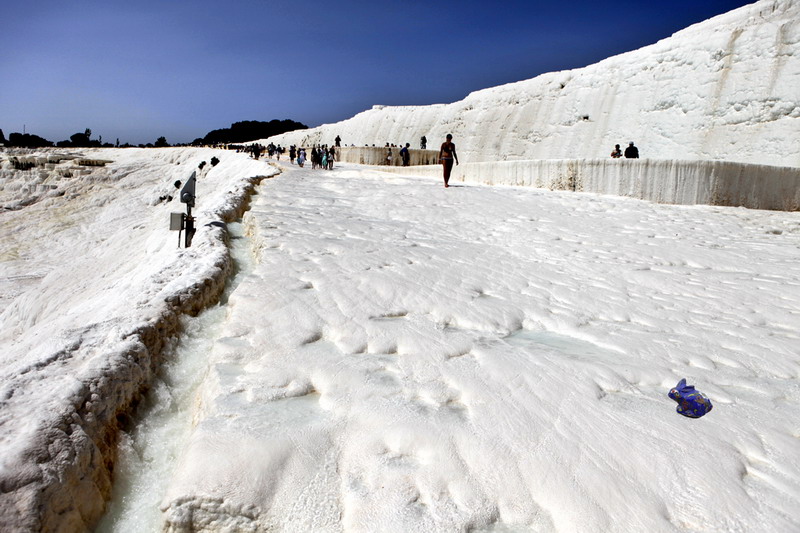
point(447, 154)
point(404, 155)
point(331, 157)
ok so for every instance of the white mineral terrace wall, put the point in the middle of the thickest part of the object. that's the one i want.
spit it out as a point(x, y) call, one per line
point(723, 89)
point(662, 181)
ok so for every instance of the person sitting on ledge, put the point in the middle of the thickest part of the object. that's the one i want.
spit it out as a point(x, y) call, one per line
point(631, 152)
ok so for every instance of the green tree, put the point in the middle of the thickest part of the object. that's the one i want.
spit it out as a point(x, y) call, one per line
point(250, 130)
point(80, 140)
point(27, 140)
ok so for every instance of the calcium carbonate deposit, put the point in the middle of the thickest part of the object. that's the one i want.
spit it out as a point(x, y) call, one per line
point(406, 357)
point(726, 88)
point(93, 284)
point(395, 356)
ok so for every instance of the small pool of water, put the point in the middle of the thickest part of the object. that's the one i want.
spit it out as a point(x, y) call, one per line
point(568, 346)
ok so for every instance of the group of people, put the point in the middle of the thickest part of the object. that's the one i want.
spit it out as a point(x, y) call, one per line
point(300, 154)
point(631, 152)
point(405, 155)
point(321, 157)
point(273, 150)
point(255, 150)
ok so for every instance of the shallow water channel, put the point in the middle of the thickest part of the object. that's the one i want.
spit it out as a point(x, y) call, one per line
point(150, 452)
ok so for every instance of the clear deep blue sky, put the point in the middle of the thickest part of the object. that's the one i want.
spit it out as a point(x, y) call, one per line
point(137, 70)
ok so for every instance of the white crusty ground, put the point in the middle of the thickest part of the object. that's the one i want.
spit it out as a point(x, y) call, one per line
point(88, 269)
point(406, 357)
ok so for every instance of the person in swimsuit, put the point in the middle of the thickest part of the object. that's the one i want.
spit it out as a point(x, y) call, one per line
point(447, 154)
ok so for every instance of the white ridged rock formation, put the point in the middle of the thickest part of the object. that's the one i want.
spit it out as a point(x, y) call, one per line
point(726, 88)
point(662, 181)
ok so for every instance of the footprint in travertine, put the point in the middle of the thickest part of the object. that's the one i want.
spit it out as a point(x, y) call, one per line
point(701, 362)
point(300, 285)
point(538, 519)
point(458, 354)
point(457, 408)
point(418, 500)
point(300, 387)
point(756, 468)
point(399, 459)
point(479, 293)
point(356, 348)
point(385, 344)
point(312, 337)
point(382, 346)
point(614, 386)
point(440, 400)
point(392, 315)
point(725, 361)
point(387, 377)
point(483, 294)
point(291, 389)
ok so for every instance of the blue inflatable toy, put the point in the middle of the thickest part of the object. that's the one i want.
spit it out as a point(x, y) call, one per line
point(691, 402)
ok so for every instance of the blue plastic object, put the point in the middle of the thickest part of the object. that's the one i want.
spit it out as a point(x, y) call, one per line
point(691, 402)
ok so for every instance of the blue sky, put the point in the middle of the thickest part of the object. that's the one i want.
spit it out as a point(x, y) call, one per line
point(139, 70)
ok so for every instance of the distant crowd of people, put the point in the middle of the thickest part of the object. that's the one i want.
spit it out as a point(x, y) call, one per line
point(321, 156)
point(324, 156)
point(256, 150)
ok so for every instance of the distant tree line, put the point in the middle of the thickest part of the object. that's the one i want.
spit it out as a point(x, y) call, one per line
point(24, 140)
point(81, 140)
point(239, 132)
point(28, 140)
point(249, 130)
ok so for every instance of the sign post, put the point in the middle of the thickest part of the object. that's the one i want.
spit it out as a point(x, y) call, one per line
point(185, 221)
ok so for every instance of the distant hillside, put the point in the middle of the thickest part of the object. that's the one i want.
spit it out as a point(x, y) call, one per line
point(726, 88)
point(249, 130)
